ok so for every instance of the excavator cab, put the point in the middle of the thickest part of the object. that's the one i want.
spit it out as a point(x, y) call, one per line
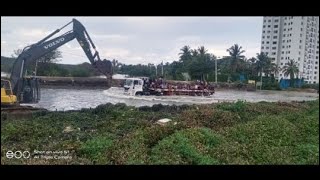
point(7, 97)
point(31, 90)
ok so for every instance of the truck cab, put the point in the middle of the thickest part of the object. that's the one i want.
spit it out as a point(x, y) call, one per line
point(133, 86)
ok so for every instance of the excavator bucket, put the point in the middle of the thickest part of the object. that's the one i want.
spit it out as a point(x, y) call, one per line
point(105, 67)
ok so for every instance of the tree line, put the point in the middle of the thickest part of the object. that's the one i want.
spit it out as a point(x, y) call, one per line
point(49, 65)
point(200, 65)
point(197, 64)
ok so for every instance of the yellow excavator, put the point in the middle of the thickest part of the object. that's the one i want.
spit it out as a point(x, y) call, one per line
point(21, 89)
point(7, 96)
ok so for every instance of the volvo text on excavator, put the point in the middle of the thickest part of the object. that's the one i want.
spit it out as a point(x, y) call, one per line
point(22, 89)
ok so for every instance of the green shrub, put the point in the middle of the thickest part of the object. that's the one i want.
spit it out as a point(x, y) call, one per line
point(277, 133)
point(80, 72)
point(270, 85)
point(239, 106)
point(96, 149)
point(310, 86)
point(130, 149)
point(267, 140)
point(206, 116)
point(164, 108)
point(188, 146)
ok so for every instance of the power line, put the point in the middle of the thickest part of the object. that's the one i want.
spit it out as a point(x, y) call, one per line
point(74, 54)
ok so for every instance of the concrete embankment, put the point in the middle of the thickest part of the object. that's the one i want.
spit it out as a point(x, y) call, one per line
point(78, 82)
point(97, 82)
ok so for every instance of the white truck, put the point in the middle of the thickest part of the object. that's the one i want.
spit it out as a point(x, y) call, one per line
point(142, 86)
point(133, 86)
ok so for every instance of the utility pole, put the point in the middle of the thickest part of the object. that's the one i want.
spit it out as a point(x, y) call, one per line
point(261, 79)
point(216, 72)
point(156, 71)
point(162, 69)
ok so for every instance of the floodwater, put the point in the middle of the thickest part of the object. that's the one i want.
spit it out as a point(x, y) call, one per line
point(75, 99)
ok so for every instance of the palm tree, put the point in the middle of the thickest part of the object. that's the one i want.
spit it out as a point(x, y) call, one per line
point(275, 69)
point(185, 54)
point(116, 65)
point(202, 51)
point(261, 62)
point(251, 63)
point(291, 69)
point(194, 53)
point(268, 67)
point(114, 62)
point(185, 57)
point(252, 60)
point(204, 59)
point(235, 54)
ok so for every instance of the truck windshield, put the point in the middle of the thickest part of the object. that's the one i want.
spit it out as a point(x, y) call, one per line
point(128, 82)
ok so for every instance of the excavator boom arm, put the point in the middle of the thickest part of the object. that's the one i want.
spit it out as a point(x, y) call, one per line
point(35, 51)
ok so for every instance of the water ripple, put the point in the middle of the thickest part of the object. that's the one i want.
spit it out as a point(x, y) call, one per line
point(74, 99)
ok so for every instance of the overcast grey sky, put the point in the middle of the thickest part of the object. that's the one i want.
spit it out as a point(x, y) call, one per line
point(133, 40)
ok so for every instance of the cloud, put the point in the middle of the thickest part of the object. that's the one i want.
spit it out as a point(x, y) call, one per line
point(115, 53)
point(110, 38)
point(134, 40)
point(32, 34)
point(3, 45)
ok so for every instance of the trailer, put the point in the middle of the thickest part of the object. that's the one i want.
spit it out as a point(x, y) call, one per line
point(143, 86)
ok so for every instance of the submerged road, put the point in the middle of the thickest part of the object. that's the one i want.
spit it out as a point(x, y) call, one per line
point(75, 99)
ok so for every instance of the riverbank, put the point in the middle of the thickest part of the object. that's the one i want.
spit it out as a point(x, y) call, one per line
point(225, 133)
point(308, 90)
point(101, 83)
point(78, 82)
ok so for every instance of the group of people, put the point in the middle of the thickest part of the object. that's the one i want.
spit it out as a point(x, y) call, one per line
point(160, 83)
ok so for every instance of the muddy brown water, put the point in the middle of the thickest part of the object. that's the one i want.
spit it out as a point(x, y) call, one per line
point(75, 99)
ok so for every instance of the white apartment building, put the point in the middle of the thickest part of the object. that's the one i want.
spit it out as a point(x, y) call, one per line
point(296, 38)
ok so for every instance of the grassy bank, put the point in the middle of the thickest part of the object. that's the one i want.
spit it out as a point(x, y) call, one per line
point(226, 133)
